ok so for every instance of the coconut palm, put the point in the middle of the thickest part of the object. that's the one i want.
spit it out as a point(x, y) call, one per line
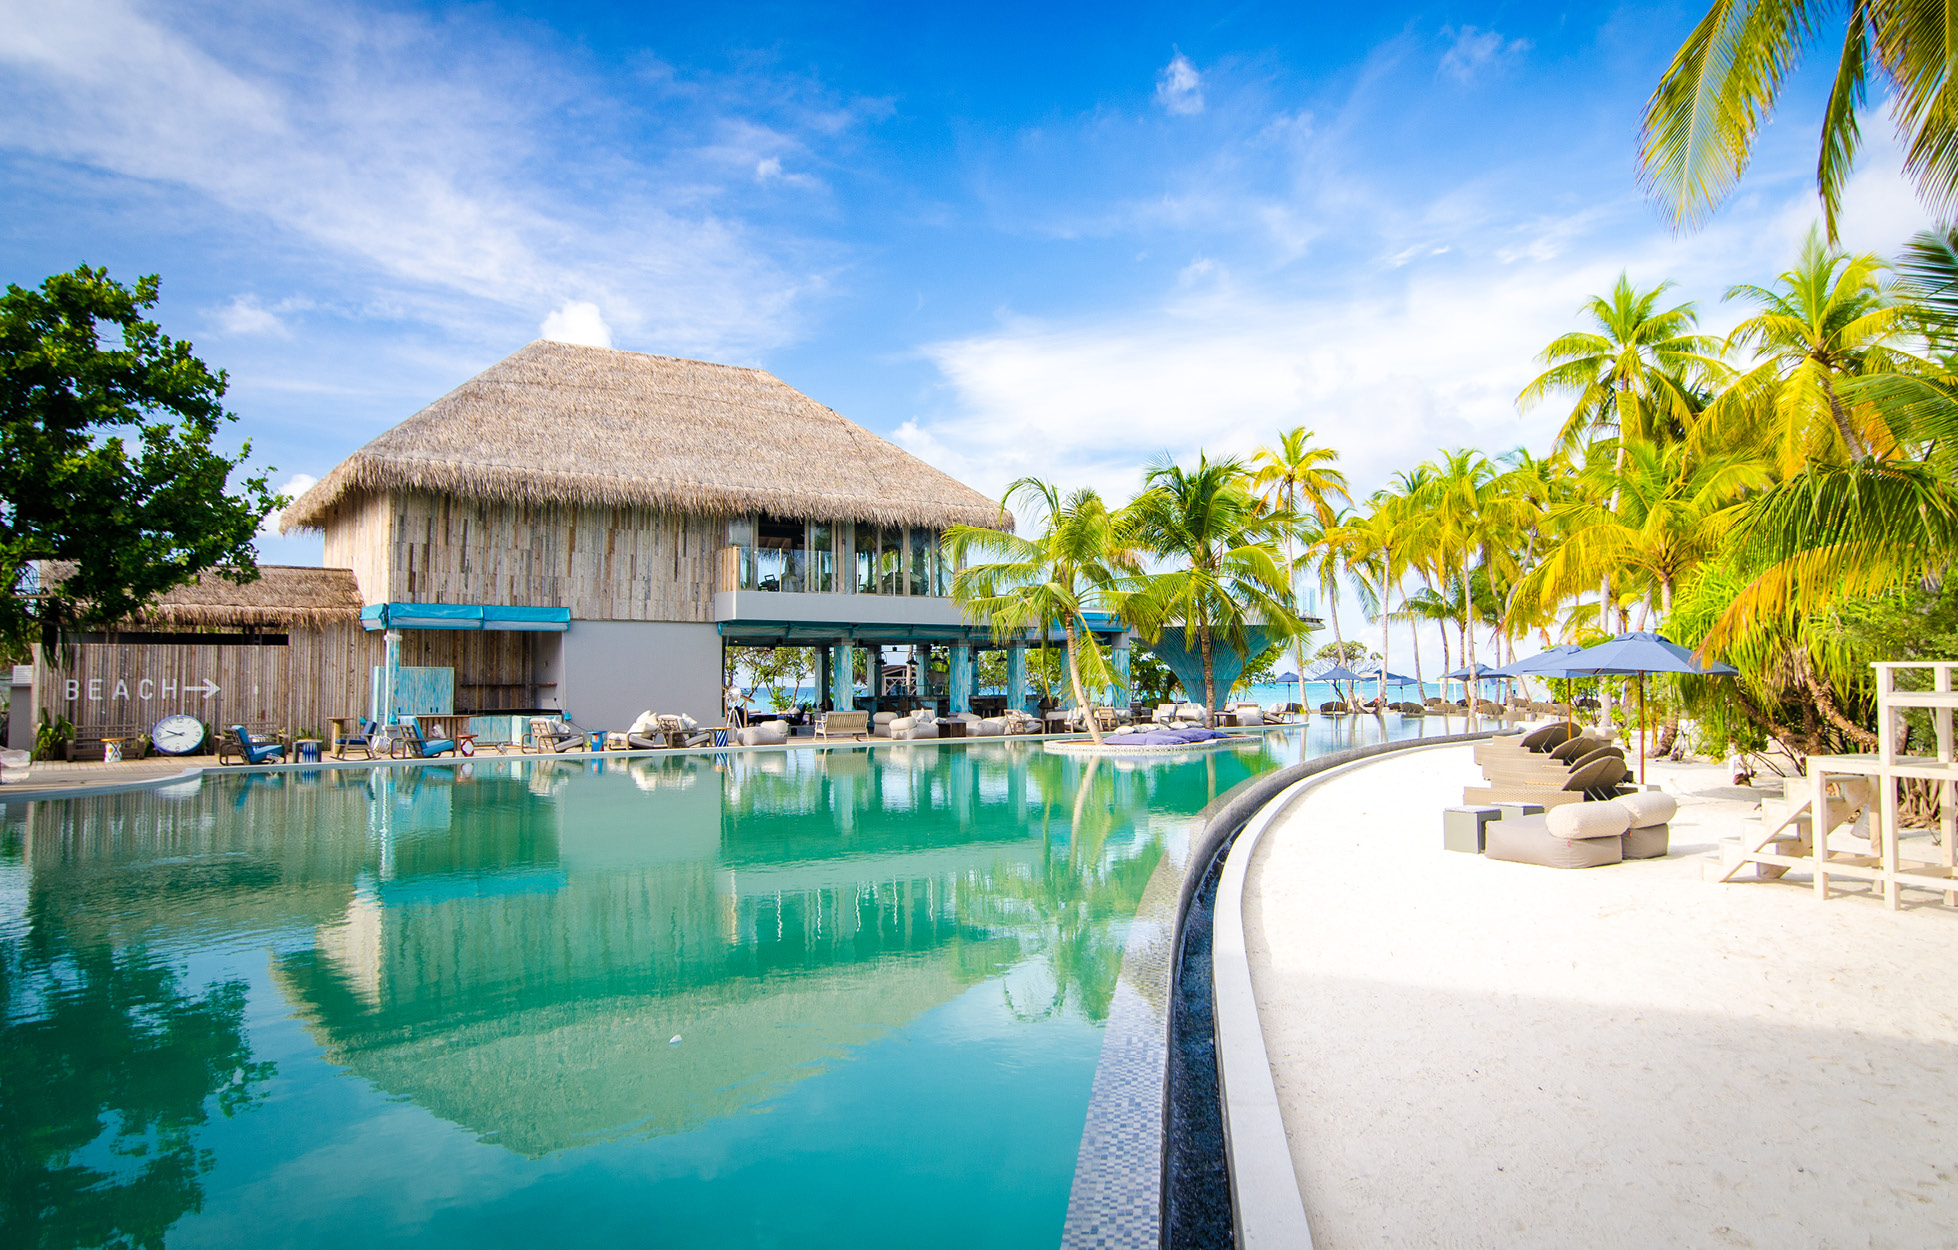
point(1070, 565)
point(1225, 574)
point(1462, 502)
point(1636, 374)
point(1725, 79)
point(1298, 479)
point(1827, 319)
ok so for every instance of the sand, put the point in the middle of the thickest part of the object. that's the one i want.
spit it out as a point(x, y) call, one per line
point(1473, 1053)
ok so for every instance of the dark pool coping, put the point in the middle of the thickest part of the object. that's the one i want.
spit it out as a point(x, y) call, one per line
point(1152, 1167)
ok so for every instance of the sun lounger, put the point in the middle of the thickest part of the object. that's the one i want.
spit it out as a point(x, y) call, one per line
point(415, 746)
point(248, 748)
point(549, 734)
point(1589, 835)
point(768, 733)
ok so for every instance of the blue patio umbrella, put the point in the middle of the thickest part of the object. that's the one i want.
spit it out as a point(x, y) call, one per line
point(1634, 655)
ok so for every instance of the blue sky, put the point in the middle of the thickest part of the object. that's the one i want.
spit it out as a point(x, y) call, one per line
point(1016, 239)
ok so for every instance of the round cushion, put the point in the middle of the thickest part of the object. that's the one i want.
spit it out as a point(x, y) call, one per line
point(1587, 820)
point(1648, 808)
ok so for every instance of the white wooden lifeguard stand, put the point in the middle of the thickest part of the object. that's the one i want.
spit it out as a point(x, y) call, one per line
point(1801, 841)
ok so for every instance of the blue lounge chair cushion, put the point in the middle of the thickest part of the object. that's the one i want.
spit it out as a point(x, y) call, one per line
point(435, 746)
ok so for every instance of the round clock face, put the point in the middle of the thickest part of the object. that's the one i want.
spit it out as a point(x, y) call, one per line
point(177, 735)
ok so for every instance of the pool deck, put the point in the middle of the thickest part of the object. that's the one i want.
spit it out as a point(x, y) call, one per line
point(1474, 1053)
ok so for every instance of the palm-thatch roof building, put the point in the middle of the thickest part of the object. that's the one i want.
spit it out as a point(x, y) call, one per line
point(623, 516)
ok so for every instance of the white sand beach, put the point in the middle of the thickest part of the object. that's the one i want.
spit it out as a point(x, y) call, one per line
point(1474, 1053)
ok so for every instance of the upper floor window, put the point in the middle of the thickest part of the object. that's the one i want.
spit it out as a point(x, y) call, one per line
point(819, 557)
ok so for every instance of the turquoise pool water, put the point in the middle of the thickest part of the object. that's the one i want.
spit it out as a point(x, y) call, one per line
point(837, 998)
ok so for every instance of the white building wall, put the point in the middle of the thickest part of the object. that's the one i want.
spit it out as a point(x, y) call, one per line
point(608, 672)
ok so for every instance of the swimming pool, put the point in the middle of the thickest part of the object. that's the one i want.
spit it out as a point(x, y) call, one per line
point(814, 998)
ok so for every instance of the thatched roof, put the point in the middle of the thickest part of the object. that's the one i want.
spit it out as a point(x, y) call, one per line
point(556, 423)
point(284, 597)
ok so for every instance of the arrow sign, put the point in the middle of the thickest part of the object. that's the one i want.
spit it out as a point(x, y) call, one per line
point(208, 689)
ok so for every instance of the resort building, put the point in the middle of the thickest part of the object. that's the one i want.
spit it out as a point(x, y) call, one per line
point(574, 529)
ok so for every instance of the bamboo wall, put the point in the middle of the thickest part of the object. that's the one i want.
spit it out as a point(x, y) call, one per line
point(619, 564)
point(317, 674)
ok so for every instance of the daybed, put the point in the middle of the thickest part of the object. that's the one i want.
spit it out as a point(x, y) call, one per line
point(1588, 835)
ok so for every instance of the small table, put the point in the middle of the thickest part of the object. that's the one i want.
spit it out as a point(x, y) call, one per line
point(112, 750)
point(1227, 720)
point(306, 751)
point(951, 728)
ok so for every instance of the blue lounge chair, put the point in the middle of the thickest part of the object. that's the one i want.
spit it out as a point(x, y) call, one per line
point(252, 748)
point(418, 747)
point(362, 741)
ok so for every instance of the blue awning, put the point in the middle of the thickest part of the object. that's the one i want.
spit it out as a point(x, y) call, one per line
point(463, 616)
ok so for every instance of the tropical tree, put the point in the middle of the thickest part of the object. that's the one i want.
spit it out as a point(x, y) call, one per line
point(1636, 374)
point(1461, 500)
point(107, 461)
point(1225, 576)
point(1724, 81)
point(1297, 480)
point(1073, 563)
point(1828, 318)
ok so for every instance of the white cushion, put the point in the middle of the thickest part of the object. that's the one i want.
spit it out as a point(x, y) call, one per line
point(1587, 820)
point(767, 734)
point(989, 727)
point(883, 718)
point(687, 722)
point(1648, 807)
point(645, 724)
point(902, 724)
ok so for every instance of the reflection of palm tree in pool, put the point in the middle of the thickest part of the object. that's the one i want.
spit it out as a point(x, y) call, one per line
point(95, 1041)
point(1067, 908)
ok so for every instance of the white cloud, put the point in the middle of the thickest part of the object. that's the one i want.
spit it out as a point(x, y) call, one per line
point(292, 488)
point(768, 168)
point(434, 155)
point(1179, 88)
point(578, 321)
point(245, 315)
point(1476, 50)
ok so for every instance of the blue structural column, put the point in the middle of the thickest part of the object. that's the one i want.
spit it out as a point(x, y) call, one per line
point(1118, 658)
point(842, 677)
point(1016, 676)
point(960, 678)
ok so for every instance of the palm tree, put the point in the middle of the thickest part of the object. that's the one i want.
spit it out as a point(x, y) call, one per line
point(1461, 496)
point(1073, 564)
point(1828, 318)
point(1298, 480)
point(1226, 576)
point(1636, 376)
point(1724, 80)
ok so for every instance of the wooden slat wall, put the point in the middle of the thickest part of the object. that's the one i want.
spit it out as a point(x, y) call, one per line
point(621, 564)
point(358, 538)
point(319, 673)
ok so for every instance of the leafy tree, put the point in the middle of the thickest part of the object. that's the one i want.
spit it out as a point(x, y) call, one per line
point(106, 461)
point(1151, 680)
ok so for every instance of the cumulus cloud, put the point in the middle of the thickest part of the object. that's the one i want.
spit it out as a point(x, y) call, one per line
point(578, 321)
point(1474, 51)
point(292, 488)
point(245, 315)
point(1179, 88)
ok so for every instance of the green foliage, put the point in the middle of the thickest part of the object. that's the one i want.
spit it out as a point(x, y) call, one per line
point(1260, 668)
point(1347, 653)
point(52, 737)
point(1150, 680)
point(989, 672)
point(106, 459)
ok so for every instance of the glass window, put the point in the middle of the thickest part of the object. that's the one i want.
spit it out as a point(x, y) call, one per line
point(923, 549)
point(822, 557)
point(741, 538)
point(741, 531)
point(941, 565)
point(779, 557)
point(863, 556)
point(890, 560)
